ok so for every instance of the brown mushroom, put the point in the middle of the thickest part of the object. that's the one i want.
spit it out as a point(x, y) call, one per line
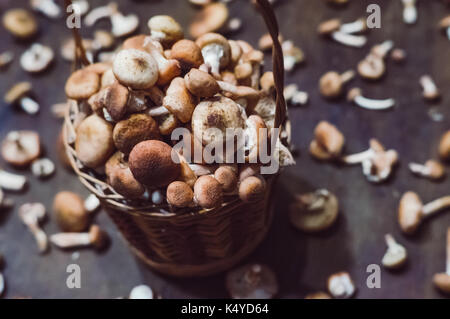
point(179, 194)
point(19, 93)
point(20, 23)
point(133, 130)
point(252, 189)
point(216, 51)
point(208, 192)
point(82, 84)
point(331, 84)
point(167, 123)
point(95, 238)
point(179, 101)
point(165, 30)
point(431, 169)
point(21, 148)
point(187, 53)
point(114, 98)
point(226, 175)
point(119, 176)
point(442, 280)
point(201, 84)
point(70, 213)
point(444, 146)
point(328, 142)
point(254, 281)
point(210, 19)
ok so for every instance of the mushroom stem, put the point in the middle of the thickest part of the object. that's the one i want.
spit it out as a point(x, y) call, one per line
point(358, 158)
point(447, 265)
point(430, 90)
point(29, 105)
point(390, 241)
point(409, 11)
point(382, 49)
point(353, 27)
point(47, 7)
point(351, 40)
point(436, 205)
point(12, 182)
point(68, 240)
point(158, 111)
point(347, 76)
point(40, 237)
point(211, 54)
point(355, 95)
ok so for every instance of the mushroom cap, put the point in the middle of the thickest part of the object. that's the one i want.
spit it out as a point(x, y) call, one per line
point(436, 169)
point(255, 139)
point(353, 93)
point(37, 58)
point(340, 285)
point(378, 168)
point(201, 84)
point(208, 192)
point(179, 194)
point(167, 123)
point(252, 189)
point(220, 113)
point(318, 295)
point(135, 42)
point(372, 67)
point(210, 19)
point(141, 292)
point(94, 142)
point(98, 237)
point(70, 213)
point(20, 23)
point(179, 101)
point(152, 165)
point(444, 146)
point(227, 177)
point(330, 84)
point(254, 281)
point(187, 53)
point(17, 91)
point(217, 44)
point(246, 170)
point(115, 99)
point(442, 282)
point(99, 67)
point(133, 130)
point(236, 52)
point(395, 257)
point(20, 148)
point(267, 81)
point(166, 29)
point(314, 212)
point(136, 69)
point(410, 212)
point(319, 152)
point(330, 138)
point(329, 26)
point(82, 84)
point(120, 177)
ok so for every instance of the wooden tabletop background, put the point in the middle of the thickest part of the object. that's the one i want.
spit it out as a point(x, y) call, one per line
point(302, 262)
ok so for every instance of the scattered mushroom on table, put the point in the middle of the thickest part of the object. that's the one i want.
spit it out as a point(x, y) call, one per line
point(340, 285)
point(20, 94)
point(253, 281)
point(328, 142)
point(431, 169)
point(32, 214)
point(442, 280)
point(95, 238)
point(396, 254)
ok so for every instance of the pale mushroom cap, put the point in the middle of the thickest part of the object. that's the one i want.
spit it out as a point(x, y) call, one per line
point(179, 101)
point(94, 142)
point(20, 148)
point(179, 194)
point(167, 123)
point(20, 23)
point(187, 53)
point(201, 84)
point(394, 258)
point(17, 91)
point(442, 282)
point(330, 84)
point(136, 69)
point(166, 25)
point(210, 19)
point(37, 58)
point(254, 281)
point(141, 292)
point(82, 84)
point(329, 26)
point(252, 189)
point(444, 146)
point(227, 178)
point(340, 285)
point(410, 212)
point(69, 212)
point(372, 67)
point(330, 138)
point(208, 192)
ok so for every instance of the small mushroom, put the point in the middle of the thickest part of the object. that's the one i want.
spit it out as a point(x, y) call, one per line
point(12, 182)
point(331, 84)
point(42, 167)
point(444, 146)
point(430, 90)
point(114, 99)
point(120, 177)
point(136, 69)
point(328, 142)
point(226, 175)
point(179, 194)
point(252, 189)
point(442, 280)
point(179, 101)
point(201, 84)
point(216, 51)
point(292, 54)
point(318, 295)
point(6, 58)
point(165, 29)
point(411, 211)
point(70, 213)
point(94, 142)
point(355, 96)
point(334, 29)
point(122, 25)
point(48, 7)
point(21, 148)
point(253, 281)
point(20, 94)
point(398, 55)
point(395, 256)
point(372, 67)
point(340, 285)
point(208, 192)
point(294, 96)
point(265, 43)
point(31, 215)
point(314, 212)
point(211, 18)
point(188, 54)
point(409, 11)
point(167, 123)
point(444, 24)
point(82, 84)
point(431, 169)
point(141, 292)
point(95, 238)
point(20, 23)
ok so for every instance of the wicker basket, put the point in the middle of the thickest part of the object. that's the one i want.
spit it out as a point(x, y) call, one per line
point(197, 242)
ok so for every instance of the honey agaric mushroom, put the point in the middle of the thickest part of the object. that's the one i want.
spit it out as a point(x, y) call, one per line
point(396, 255)
point(409, 11)
point(179, 101)
point(430, 90)
point(442, 280)
point(21, 148)
point(141, 292)
point(19, 94)
point(42, 167)
point(318, 295)
point(343, 33)
point(331, 84)
point(226, 175)
point(201, 84)
point(253, 281)
point(152, 165)
point(292, 54)
point(133, 130)
point(431, 169)
point(165, 29)
point(31, 215)
point(328, 142)
point(216, 51)
point(252, 189)
point(340, 285)
point(167, 69)
point(95, 238)
point(411, 211)
point(372, 67)
point(355, 96)
point(70, 213)
point(208, 192)
point(113, 98)
point(122, 25)
point(314, 212)
point(37, 58)
point(188, 54)
point(82, 84)
point(121, 179)
point(179, 194)
point(20, 23)
point(265, 43)
point(136, 69)
point(444, 146)
point(12, 182)
point(167, 123)
point(210, 19)
point(255, 139)
point(94, 142)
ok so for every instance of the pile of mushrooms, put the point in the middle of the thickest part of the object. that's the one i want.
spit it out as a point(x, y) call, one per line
point(156, 83)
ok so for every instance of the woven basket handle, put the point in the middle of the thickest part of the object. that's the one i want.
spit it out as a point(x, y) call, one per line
point(267, 12)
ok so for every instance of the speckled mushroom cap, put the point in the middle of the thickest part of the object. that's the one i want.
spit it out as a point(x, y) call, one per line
point(165, 29)
point(201, 84)
point(20, 22)
point(330, 84)
point(82, 84)
point(179, 101)
point(227, 177)
point(120, 177)
point(210, 19)
point(115, 99)
point(152, 165)
point(20, 148)
point(208, 192)
point(410, 212)
point(187, 53)
point(69, 212)
point(252, 189)
point(253, 281)
point(179, 194)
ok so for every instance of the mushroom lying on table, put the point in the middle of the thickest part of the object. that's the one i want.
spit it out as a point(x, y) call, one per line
point(372, 67)
point(12, 182)
point(19, 94)
point(328, 142)
point(442, 280)
point(141, 292)
point(444, 146)
point(396, 255)
point(331, 84)
point(211, 18)
point(430, 90)
point(70, 213)
point(95, 238)
point(343, 33)
point(254, 281)
point(37, 58)
point(340, 285)
point(21, 148)
point(20, 23)
point(431, 169)
point(31, 215)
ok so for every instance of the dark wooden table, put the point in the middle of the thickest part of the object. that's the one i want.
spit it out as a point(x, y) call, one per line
point(302, 262)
